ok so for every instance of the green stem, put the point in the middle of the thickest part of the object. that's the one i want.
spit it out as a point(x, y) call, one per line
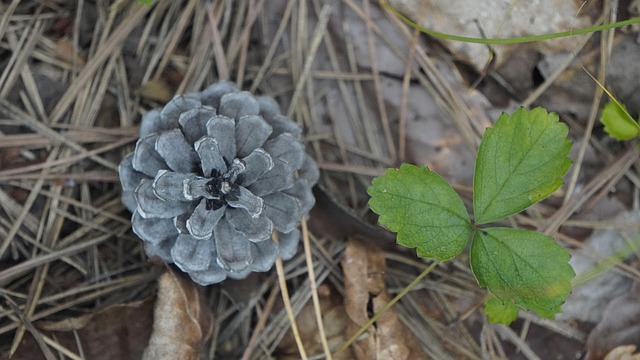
point(513, 40)
point(388, 306)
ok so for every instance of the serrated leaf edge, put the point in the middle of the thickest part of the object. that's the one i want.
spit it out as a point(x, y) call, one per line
point(567, 162)
point(400, 233)
point(556, 306)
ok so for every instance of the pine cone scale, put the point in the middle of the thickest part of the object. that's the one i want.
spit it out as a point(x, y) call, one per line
point(191, 254)
point(194, 122)
point(202, 221)
point(153, 230)
point(222, 129)
point(151, 206)
point(145, 157)
point(251, 133)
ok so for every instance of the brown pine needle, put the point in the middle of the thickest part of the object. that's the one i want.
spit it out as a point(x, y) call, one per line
point(286, 299)
point(314, 289)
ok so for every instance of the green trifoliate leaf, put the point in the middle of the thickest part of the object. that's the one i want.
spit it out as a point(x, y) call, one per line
point(501, 312)
point(521, 161)
point(618, 123)
point(423, 209)
point(523, 267)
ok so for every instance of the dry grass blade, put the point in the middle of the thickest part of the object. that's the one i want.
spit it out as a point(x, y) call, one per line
point(221, 60)
point(138, 11)
point(8, 12)
point(382, 109)
point(260, 325)
point(25, 209)
point(23, 49)
point(449, 97)
point(59, 139)
point(35, 333)
point(23, 267)
point(85, 294)
point(178, 29)
point(91, 135)
point(402, 131)
point(316, 40)
point(516, 340)
point(606, 44)
point(286, 16)
point(69, 160)
point(287, 303)
point(314, 290)
point(609, 175)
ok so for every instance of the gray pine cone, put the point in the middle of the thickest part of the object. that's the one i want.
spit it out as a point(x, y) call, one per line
point(212, 176)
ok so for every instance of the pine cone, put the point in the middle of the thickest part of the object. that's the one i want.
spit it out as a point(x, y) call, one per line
point(212, 176)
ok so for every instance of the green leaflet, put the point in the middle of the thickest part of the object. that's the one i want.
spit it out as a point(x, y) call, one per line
point(521, 161)
point(502, 312)
point(423, 209)
point(525, 267)
point(618, 123)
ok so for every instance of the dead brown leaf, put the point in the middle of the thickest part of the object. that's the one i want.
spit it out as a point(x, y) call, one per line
point(365, 294)
point(623, 353)
point(64, 50)
point(157, 90)
point(182, 321)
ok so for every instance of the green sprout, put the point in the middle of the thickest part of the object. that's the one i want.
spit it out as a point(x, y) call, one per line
point(521, 160)
point(617, 121)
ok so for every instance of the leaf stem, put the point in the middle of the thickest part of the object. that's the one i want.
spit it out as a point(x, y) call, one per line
point(388, 306)
point(513, 40)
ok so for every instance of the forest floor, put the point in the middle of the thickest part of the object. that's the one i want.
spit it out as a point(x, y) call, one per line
point(370, 93)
